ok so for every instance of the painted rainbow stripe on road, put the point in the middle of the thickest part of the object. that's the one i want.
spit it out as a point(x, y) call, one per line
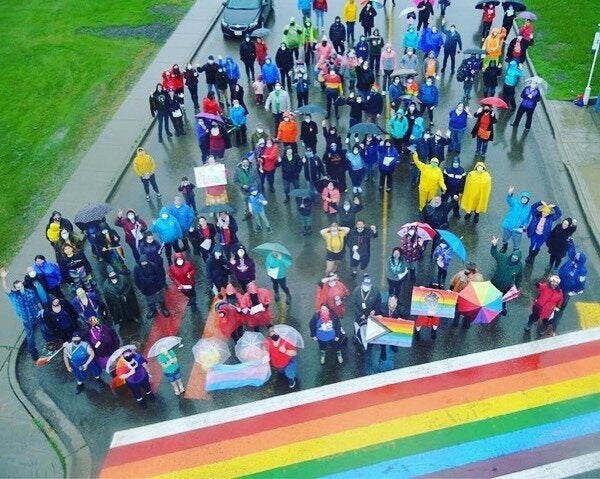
point(508, 412)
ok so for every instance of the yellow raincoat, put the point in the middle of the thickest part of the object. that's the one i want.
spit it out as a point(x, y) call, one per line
point(432, 179)
point(478, 187)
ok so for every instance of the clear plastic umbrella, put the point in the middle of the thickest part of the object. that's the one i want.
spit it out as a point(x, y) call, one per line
point(250, 347)
point(210, 351)
point(114, 356)
point(167, 343)
point(539, 82)
point(289, 334)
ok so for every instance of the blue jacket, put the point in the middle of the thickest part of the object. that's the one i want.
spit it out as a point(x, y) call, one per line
point(418, 130)
point(168, 230)
point(231, 69)
point(437, 148)
point(395, 92)
point(454, 178)
point(457, 122)
point(304, 4)
point(518, 213)
point(384, 153)
point(270, 72)
point(431, 42)
point(452, 41)
point(184, 216)
point(429, 95)
point(573, 273)
point(50, 271)
point(411, 38)
point(371, 153)
point(362, 50)
point(237, 114)
point(536, 216)
point(513, 73)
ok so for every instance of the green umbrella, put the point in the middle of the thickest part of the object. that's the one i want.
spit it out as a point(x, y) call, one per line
point(267, 248)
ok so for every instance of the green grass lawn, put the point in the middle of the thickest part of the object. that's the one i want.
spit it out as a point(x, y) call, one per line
point(65, 70)
point(562, 52)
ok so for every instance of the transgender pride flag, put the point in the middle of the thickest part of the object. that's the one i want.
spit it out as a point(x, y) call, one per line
point(230, 376)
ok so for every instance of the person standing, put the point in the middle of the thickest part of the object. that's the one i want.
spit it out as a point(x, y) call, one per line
point(411, 250)
point(331, 200)
point(267, 164)
point(191, 81)
point(509, 270)
point(530, 97)
point(487, 18)
point(217, 271)
point(332, 292)
point(134, 228)
point(120, 297)
point(559, 240)
point(144, 167)
point(170, 366)
point(513, 73)
point(395, 272)
point(277, 265)
point(242, 267)
point(431, 180)
point(305, 7)
point(291, 166)
point(292, 36)
point(454, 177)
point(210, 72)
point(457, 124)
point(477, 191)
point(183, 274)
point(309, 132)
point(169, 231)
point(425, 9)
point(284, 59)
point(337, 35)
point(78, 357)
point(255, 307)
point(302, 86)
point(287, 133)
point(376, 45)
point(227, 232)
point(336, 165)
point(238, 114)
point(516, 220)
point(283, 356)
point(517, 49)
point(50, 272)
point(543, 216)
point(159, 108)
point(547, 303)
point(151, 247)
point(150, 280)
point(367, 18)
point(388, 158)
point(359, 243)
point(204, 238)
point(248, 56)
point(333, 89)
point(573, 274)
point(335, 242)
point(75, 268)
point(364, 301)
point(452, 46)
point(349, 15)
point(459, 282)
point(277, 102)
point(256, 208)
point(175, 112)
point(133, 369)
point(103, 339)
point(326, 330)
point(483, 130)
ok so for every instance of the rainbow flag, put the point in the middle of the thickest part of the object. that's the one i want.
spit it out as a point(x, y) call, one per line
point(392, 331)
point(520, 409)
point(433, 302)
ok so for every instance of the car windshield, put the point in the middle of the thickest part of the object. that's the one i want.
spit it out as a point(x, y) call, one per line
point(243, 4)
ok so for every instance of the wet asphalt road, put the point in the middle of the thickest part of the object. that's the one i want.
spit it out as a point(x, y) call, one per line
point(525, 160)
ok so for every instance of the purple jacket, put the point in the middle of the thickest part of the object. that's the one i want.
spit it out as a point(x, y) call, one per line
point(530, 103)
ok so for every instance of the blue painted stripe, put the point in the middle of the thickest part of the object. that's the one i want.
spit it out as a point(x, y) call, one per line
point(470, 452)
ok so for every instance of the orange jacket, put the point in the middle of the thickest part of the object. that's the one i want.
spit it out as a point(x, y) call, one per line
point(288, 131)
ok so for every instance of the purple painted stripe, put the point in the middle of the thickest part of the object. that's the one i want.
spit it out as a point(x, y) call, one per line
point(510, 463)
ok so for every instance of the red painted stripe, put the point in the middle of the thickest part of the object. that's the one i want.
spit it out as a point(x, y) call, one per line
point(355, 401)
point(520, 461)
point(176, 302)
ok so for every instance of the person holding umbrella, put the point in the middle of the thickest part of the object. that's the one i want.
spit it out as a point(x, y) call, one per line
point(277, 263)
point(483, 130)
point(283, 355)
point(509, 270)
point(530, 97)
point(170, 365)
point(326, 329)
point(459, 282)
point(412, 247)
point(476, 194)
point(78, 357)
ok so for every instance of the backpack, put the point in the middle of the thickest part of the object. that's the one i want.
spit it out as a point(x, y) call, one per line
point(461, 73)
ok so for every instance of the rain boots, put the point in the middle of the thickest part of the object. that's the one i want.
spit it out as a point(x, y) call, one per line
point(322, 360)
point(340, 359)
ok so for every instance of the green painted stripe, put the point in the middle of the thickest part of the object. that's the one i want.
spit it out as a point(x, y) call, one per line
point(436, 439)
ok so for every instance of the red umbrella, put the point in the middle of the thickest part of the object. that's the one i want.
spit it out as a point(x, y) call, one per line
point(423, 230)
point(494, 101)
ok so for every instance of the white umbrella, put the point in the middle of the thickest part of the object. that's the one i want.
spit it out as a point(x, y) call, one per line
point(210, 351)
point(540, 82)
point(114, 356)
point(406, 11)
point(289, 334)
point(250, 347)
point(167, 343)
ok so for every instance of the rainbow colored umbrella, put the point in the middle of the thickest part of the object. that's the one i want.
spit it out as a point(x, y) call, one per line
point(481, 301)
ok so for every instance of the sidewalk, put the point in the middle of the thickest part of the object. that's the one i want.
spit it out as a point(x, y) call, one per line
point(31, 450)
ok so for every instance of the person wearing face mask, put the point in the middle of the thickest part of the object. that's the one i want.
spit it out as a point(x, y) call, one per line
point(120, 297)
point(50, 272)
point(549, 301)
point(292, 37)
point(151, 247)
point(332, 293)
point(365, 78)
point(509, 15)
point(454, 178)
point(452, 46)
point(177, 79)
point(477, 191)
point(305, 7)
point(88, 304)
point(488, 13)
point(367, 19)
point(210, 71)
point(183, 213)
point(493, 46)
point(530, 97)
point(425, 10)
point(397, 126)
point(429, 96)
point(333, 89)
point(255, 307)
point(337, 35)
point(267, 164)
point(258, 88)
point(291, 166)
point(134, 228)
point(191, 81)
point(75, 267)
point(516, 220)
point(203, 133)
point(509, 270)
point(183, 274)
point(217, 270)
point(202, 237)
point(314, 169)
point(151, 281)
point(159, 108)
point(483, 130)
point(320, 8)
point(78, 357)
point(436, 145)
point(359, 244)
point(412, 247)
point(459, 282)
point(222, 86)
point(457, 124)
point(517, 50)
point(103, 339)
point(543, 216)
point(336, 164)
point(350, 16)
point(431, 41)
point(362, 50)
point(284, 60)
point(442, 255)
point(60, 223)
point(245, 177)
point(270, 74)
point(132, 368)
point(287, 133)
point(490, 79)
point(331, 200)
point(364, 301)
point(278, 102)
point(60, 319)
point(395, 272)
point(111, 251)
point(330, 134)
point(38, 284)
point(282, 354)
point(513, 73)
point(175, 112)
point(356, 168)
point(376, 45)
point(277, 265)
point(144, 167)
point(248, 56)
point(242, 267)
point(310, 35)
point(374, 104)
point(256, 208)
point(335, 242)
point(410, 42)
point(573, 274)
point(326, 329)
point(238, 114)
point(169, 231)
point(388, 159)
point(258, 134)
point(357, 107)
point(26, 307)
point(309, 132)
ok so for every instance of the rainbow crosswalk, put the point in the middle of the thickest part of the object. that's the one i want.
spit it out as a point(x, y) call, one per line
point(508, 412)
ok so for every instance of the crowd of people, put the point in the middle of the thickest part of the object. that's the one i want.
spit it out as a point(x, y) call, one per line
point(80, 312)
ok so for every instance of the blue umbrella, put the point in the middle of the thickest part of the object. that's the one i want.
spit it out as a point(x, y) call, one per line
point(455, 243)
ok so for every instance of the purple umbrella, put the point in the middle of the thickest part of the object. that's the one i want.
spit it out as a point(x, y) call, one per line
point(527, 15)
point(210, 116)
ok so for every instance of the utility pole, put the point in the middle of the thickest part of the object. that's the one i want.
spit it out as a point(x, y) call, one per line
point(595, 49)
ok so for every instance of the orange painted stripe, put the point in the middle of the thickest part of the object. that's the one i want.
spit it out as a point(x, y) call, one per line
point(229, 449)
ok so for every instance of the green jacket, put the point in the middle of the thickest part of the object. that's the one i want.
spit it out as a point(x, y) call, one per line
point(507, 272)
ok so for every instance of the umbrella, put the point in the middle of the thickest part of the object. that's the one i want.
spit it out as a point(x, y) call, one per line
point(267, 248)
point(210, 351)
point(92, 212)
point(416, 2)
point(376, 3)
point(323, 182)
point(424, 231)
point(300, 193)
point(481, 301)
point(541, 83)
point(289, 334)
point(455, 243)
point(366, 129)
point(512, 293)
point(210, 116)
point(167, 343)
point(406, 11)
point(480, 5)
point(117, 354)
point(404, 72)
point(311, 109)
point(494, 101)
point(517, 6)
point(250, 347)
point(527, 16)
point(207, 209)
point(261, 32)
point(410, 98)
point(474, 51)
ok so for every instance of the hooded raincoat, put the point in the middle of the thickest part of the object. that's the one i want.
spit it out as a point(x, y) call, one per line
point(478, 188)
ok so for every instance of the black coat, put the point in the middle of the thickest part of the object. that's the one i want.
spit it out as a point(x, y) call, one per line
point(490, 128)
point(308, 132)
point(367, 17)
point(356, 108)
point(437, 217)
point(437, 149)
point(313, 169)
point(159, 102)
point(337, 32)
point(284, 59)
point(149, 279)
point(247, 52)
point(348, 218)
point(290, 169)
point(364, 78)
point(559, 238)
point(490, 76)
point(210, 71)
point(51, 321)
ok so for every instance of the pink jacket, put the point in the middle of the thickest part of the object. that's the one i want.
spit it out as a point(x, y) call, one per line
point(388, 59)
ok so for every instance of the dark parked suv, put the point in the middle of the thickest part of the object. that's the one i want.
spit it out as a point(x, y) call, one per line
point(244, 16)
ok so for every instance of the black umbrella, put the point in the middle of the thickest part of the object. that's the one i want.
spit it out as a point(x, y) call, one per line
point(301, 193)
point(480, 5)
point(517, 6)
point(261, 32)
point(366, 129)
point(311, 109)
point(474, 51)
point(217, 208)
point(323, 182)
point(92, 212)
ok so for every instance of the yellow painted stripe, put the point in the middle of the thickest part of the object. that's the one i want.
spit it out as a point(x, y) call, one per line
point(404, 427)
point(589, 314)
